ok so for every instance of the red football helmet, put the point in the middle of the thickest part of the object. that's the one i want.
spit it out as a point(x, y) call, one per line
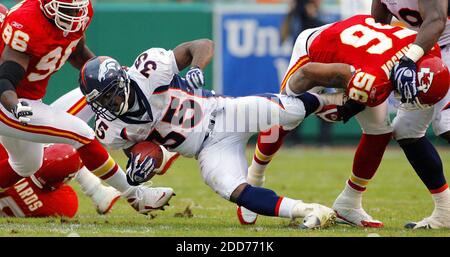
point(61, 163)
point(69, 15)
point(3, 12)
point(432, 80)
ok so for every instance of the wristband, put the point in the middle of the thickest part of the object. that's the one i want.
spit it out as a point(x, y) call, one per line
point(414, 53)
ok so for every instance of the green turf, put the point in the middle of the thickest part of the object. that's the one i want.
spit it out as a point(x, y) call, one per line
point(395, 196)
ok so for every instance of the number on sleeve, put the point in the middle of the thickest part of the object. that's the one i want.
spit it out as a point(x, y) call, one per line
point(147, 67)
point(17, 39)
point(361, 86)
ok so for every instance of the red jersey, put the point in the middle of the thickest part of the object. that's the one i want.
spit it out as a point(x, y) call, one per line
point(26, 199)
point(371, 48)
point(26, 29)
point(45, 192)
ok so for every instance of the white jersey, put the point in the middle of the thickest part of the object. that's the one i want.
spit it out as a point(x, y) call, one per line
point(175, 117)
point(408, 12)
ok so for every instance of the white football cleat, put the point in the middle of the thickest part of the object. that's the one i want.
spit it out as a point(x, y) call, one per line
point(104, 197)
point(319, 217)
point(147, 199)
point(246, 216)
point(435, 221)
point(356, 217)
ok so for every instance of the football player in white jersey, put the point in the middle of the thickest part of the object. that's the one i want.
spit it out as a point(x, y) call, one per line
point(429, 18)
point(152, 102)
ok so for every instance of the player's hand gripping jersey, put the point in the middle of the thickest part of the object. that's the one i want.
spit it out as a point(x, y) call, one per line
point(26, 29)
point(175, 116)
point(371, 48)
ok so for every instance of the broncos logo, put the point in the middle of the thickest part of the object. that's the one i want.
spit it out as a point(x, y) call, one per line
point(107, 68)
point(425, 77)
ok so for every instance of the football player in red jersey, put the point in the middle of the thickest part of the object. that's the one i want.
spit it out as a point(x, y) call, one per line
point(363, 56)
point(38, 37)
point(430, 19)
point(103, 197)
point(45, 192)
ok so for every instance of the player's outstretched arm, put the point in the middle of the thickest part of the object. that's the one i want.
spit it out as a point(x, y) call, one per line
point(313, 74)
point(194, 53)
point(380, 12)
point(81, 54)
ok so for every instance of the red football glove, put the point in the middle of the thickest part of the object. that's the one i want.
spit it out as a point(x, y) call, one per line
point(329, 113)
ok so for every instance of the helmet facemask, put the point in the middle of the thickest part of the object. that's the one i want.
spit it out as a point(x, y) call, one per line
point(69, 17)
point(105, 104)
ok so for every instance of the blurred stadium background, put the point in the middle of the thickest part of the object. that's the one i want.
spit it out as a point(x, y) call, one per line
point(251, 56)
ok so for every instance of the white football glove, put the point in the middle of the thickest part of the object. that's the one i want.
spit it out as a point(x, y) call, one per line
point(195, 78)
point(329, 113)
point(140, 172)
point(22, 112)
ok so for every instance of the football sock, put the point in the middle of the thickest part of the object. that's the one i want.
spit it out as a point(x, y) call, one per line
point(265, 201)
point(367, 159)
point(8, 176)
point(269, 142)
point(310, 101)
point(349, 198)
point(88, 181)
point(426, 162)
point(442, 199)
point(97, 160)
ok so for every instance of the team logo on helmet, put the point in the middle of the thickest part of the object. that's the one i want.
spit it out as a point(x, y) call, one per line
point(425, 77)
point(107, 68)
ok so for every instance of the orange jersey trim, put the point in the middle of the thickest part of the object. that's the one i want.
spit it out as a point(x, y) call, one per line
point(78, 106)
point(300, 62)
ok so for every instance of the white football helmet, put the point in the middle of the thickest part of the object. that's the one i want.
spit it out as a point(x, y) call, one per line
point(68, 15)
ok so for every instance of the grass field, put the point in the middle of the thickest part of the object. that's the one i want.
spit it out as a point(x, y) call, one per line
point(395, 196)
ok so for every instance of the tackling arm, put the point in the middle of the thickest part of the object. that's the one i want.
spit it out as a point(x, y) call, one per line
point(313, 74)
point(81, 54)
point(12, 70)
point(334, 75)
point(194, 53)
